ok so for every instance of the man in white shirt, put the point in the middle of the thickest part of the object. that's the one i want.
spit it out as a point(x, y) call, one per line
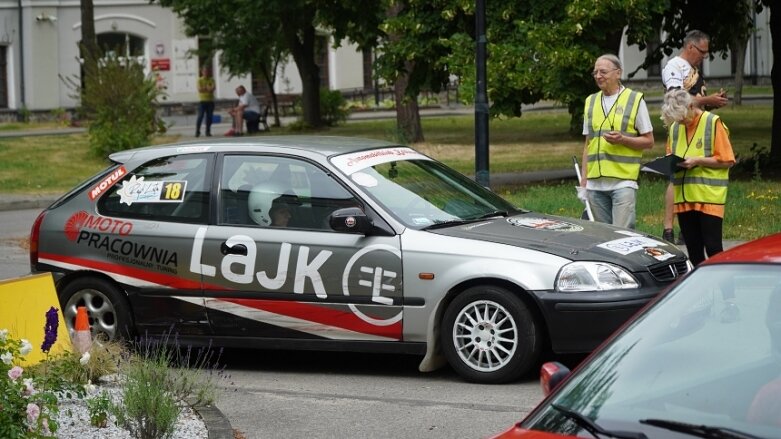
point(247, 109)
point(683, 71)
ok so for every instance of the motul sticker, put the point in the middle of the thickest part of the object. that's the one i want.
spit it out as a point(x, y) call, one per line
point(107, 182)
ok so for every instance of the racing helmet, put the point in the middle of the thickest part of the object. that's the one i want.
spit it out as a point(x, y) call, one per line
point(259, 202)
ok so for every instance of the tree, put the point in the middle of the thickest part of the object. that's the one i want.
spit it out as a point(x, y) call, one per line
point(775, 77)
point(88, 46)
point(414, 54)
point(290, 25)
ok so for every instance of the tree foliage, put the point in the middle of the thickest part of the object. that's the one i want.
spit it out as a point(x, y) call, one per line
point(251, 34)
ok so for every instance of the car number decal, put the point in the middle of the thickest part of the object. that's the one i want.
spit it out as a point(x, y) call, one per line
point(137, 190)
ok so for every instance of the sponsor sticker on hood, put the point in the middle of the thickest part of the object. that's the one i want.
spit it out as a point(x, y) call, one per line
point(545, 224)
point(625, 246)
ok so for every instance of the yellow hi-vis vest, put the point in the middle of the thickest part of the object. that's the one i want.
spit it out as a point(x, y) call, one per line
point(606, 159)
point(699, 184)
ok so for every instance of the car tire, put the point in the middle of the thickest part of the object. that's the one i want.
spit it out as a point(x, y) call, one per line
point(489, 336)
point(107, 307)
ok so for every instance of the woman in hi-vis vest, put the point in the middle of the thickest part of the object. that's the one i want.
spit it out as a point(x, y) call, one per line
point(617, 130)
point(702, 139)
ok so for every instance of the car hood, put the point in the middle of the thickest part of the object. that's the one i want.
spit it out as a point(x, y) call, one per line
point(572, 239)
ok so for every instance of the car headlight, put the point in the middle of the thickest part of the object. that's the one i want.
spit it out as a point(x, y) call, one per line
point(594, 276)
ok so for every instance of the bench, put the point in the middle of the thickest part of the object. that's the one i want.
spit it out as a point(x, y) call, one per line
point(253, 126)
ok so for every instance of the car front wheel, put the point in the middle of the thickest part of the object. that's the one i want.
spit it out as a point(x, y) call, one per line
point(489, 336)
point(109, 314)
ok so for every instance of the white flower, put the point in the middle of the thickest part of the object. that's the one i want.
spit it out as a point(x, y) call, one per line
point(28, 386)
point(90, 388)
point(26, 347)
point(3, 335)
point(84, 358)
point(7, 357)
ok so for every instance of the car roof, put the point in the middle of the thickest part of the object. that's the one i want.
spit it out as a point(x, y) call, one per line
point(762, 250)
point(324, 145)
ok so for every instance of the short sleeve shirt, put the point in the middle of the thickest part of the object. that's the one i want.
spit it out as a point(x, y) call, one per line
point(678, 73)
point(250, 102)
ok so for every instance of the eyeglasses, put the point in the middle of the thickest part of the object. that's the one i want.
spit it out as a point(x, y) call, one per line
point(596, 73)
point(702, 52)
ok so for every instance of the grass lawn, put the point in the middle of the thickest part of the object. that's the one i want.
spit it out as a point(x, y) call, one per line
point(536, 141)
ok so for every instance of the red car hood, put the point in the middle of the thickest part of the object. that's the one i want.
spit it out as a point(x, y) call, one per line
point(516, 432)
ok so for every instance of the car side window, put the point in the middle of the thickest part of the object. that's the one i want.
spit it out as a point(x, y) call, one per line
point(272, 191)
point(172, 188)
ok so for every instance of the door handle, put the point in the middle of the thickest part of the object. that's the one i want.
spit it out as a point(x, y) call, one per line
point(238, 249)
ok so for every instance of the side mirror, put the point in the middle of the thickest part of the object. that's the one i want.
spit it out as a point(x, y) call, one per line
point(551, 374)
point(350, 220)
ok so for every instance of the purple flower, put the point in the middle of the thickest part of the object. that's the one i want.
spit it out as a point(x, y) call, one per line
point(52, 321)
point(33, 411)
point(15, 373)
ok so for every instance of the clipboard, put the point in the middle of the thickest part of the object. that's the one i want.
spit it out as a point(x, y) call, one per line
point(667, 165)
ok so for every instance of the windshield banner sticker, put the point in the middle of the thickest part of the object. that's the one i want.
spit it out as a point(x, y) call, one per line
point(545, 224)
point(624, 246)
point(136, 190)
point(350, 163)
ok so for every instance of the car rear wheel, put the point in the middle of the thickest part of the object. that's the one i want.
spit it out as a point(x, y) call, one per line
point(489, 336)
point(109, 313)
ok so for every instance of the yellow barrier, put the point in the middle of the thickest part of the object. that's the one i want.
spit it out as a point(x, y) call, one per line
point(23, 305)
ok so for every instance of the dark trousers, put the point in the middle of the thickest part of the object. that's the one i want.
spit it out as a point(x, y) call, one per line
point(703, 234)
point(205, 108)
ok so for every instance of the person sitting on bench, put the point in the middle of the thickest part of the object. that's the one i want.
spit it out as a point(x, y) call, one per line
point(247, 109)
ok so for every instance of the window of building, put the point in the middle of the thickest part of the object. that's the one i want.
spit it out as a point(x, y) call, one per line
point(121, 44)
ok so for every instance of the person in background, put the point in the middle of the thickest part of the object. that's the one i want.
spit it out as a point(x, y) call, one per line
point(205, 101)
point(247, 108)
point(683, 72)
point(700, 187)
point(617, 130)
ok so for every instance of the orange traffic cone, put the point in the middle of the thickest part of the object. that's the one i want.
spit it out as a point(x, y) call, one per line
point(82, 338)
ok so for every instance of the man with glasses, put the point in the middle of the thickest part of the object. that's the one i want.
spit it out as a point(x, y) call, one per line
point(683, 72)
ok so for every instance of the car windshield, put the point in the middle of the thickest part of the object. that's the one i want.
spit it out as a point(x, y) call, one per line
point(708, 354)
point(421, 192)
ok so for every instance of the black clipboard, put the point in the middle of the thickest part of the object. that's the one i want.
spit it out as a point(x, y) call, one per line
point(666, 165)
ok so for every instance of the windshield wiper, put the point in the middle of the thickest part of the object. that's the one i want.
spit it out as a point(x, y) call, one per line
point(447, 223)
point(698, 430)
point(594, 428)
point(493, 214)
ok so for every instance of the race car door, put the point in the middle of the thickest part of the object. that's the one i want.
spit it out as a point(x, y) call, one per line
point(273, 268)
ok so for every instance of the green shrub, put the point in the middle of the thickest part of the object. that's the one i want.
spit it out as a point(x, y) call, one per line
point(119, 100)
point(333, 107)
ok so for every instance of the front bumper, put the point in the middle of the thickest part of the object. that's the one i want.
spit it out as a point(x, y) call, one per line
point(579, 322)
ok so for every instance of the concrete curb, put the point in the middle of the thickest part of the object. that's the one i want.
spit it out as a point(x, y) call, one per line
point(217, 424)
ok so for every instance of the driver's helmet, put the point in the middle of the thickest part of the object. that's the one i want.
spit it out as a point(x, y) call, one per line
point(259, 202)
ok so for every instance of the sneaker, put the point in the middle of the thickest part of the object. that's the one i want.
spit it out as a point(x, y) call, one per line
point(667, 235)
point(197, 134)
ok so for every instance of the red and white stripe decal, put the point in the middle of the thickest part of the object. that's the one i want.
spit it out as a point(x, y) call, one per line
point(304, 317)
point(121, 273)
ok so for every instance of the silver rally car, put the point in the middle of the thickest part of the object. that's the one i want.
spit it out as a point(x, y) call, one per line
point(339, 244)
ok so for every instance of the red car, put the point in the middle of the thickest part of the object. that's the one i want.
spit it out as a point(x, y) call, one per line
point(703, 360)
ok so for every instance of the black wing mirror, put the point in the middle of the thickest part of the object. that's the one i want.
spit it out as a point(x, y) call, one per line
point(350, 220)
